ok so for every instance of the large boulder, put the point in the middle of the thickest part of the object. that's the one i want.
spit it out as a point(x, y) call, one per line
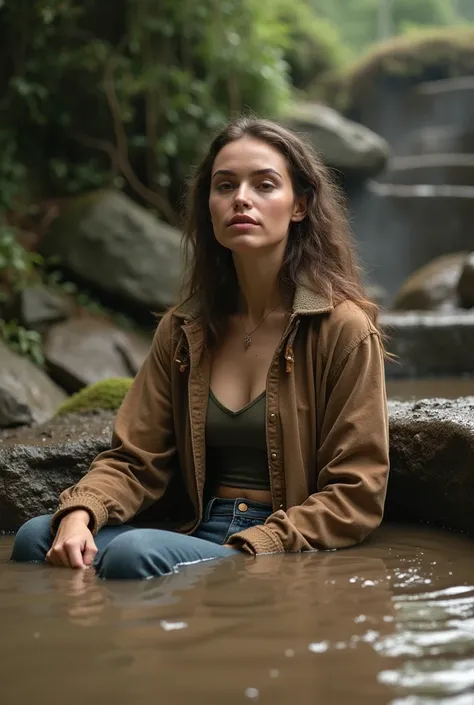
point(433, 287)
point(344, 145)
point(27, 395)
point(466, 283)
point(431, 451)
point(432, 463)
point(119, 248)
point(430, 344)
point(39, 463)
point(85, 349)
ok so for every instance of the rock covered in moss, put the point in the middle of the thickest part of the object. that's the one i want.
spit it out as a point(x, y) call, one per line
point(106, 394)
point(422, 55)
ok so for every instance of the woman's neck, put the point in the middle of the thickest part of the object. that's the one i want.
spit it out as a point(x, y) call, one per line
point(260, 289)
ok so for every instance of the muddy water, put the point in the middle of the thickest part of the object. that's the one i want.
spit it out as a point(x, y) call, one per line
point(391, 621)
point(445, 387)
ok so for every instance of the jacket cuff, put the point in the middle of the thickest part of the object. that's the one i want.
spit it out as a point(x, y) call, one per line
point(97, 510)
point(257, 539)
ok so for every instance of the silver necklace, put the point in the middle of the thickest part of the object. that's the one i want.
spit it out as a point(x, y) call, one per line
point(248, 336)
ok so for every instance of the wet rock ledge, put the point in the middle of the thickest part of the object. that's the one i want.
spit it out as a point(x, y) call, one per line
point(431, 449)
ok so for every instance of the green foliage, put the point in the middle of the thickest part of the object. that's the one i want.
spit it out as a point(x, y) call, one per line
point(106, 394)
point(22, 341)
point(359, 23)
point(102, 94)
point(315, 45)
point(17, 265)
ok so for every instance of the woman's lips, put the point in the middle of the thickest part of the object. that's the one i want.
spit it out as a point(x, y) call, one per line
point(243, 226)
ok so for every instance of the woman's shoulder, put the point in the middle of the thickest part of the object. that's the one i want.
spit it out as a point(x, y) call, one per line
point(349, 316)
point(346, 325)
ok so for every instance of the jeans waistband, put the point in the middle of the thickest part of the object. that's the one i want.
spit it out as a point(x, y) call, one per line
point(217, 506)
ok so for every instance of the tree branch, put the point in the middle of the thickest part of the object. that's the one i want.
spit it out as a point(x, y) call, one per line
point(119, 153)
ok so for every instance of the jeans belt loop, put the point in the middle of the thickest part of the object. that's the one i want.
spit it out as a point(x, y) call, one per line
point(207, 512)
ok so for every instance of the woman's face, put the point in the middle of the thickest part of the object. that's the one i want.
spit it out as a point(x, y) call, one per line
point(251, 200)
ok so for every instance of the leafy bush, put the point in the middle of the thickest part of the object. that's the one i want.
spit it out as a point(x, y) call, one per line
point(22, 341)
point(125, 93)
point(314, 46)
point(106, 394)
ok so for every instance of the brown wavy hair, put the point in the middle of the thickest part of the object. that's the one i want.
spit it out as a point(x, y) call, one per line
point(320, 253)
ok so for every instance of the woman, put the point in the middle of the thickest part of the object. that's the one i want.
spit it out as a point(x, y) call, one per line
point(258, 422)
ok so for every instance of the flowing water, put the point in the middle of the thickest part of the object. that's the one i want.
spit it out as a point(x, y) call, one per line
point(391, 621)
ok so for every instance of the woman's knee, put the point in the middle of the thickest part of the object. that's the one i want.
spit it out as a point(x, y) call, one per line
point(146, 553)
point(33, 540)
point(126, 557)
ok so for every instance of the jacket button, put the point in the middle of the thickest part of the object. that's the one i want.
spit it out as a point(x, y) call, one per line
point(273, 456)
point(272, 418)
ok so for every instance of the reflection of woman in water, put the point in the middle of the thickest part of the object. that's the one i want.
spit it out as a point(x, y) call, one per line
point(258, 422)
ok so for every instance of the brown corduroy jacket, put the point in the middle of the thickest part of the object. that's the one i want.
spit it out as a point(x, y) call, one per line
point(326, 431)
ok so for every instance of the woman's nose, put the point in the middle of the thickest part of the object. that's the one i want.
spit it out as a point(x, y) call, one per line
point(241, 198)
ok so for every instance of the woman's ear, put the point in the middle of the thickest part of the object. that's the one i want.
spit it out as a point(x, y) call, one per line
point(300, 209)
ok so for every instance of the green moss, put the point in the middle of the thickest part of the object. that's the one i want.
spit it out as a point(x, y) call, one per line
point(420, 55)
point(106, 394)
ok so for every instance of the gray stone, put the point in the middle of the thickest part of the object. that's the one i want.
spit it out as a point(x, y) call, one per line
point(36, 465)
point(118, 247)
point(40, 307)
point(431, 451)
point(27, 395)
point(466, 283)
point(432, 468)
point(345, 145)
point(86, 349)
point(430, 344)
point(432, 287)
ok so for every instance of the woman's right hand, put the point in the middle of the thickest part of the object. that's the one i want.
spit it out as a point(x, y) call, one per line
point(73, 545)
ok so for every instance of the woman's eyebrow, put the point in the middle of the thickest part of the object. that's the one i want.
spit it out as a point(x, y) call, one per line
point(257, 172)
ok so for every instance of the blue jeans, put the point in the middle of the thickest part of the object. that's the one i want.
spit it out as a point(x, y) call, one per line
point(128, 552)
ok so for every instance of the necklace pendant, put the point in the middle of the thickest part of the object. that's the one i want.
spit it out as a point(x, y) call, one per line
point(247, 341)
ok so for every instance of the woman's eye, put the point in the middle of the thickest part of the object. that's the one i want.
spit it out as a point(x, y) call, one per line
point(267, 186)
point(224, 186)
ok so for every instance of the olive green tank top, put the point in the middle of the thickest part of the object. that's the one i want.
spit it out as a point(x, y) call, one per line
point(236, 447)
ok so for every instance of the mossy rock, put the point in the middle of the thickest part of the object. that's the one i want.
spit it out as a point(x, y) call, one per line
point(106, 394)
point(418, 56)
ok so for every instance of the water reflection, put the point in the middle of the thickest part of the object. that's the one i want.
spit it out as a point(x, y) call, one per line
point(391, 621)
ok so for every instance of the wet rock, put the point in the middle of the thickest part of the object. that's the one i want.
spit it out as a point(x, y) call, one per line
point(27, 395)
point(84, 350)
point(344, 145)
point(431, 451)
point(432, 287)
point(466, 283)
point(432, 468)
point(430, 344)
point(38, 463)
point(118, 247)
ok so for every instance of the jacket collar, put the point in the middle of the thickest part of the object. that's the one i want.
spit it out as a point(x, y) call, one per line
point(306, 302)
